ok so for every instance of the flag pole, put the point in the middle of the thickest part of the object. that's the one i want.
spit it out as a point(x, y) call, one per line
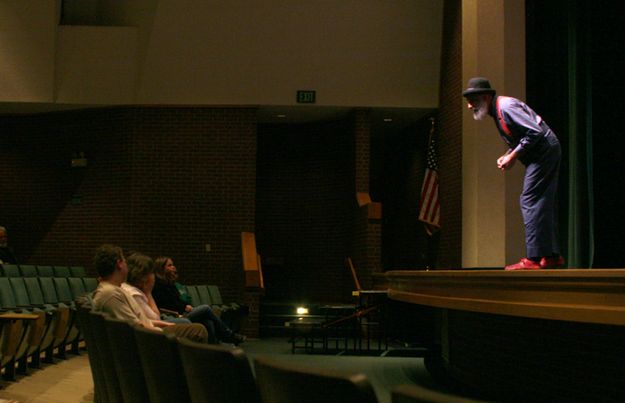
point(433, 122)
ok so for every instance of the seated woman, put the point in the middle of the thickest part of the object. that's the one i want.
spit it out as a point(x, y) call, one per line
point(139, 284)
point(167, 296)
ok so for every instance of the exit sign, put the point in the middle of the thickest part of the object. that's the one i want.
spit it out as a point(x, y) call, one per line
point(306, 97)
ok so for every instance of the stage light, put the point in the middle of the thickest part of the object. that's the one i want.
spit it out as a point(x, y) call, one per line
point(302, 310)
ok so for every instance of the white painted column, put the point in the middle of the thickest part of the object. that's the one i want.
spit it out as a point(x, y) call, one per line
point(493, 46)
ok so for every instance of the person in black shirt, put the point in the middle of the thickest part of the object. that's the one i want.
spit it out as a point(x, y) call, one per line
point(167, 297)
point(6, 252)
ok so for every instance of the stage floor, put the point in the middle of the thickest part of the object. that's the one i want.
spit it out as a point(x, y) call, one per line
point(577, 295)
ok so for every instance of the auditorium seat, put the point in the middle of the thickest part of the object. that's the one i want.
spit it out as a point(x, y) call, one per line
point(76, 286)
point(215, 296)
point(194, 294)
point(127, 362)
point(10, 340)
point(13, 341)
point(217, 373)
point(28, 270)
point(101, 340)
point(232, 313)
point(90, 284)
point(65, 296)
point(11, 270)
point(58, 314)
point(78, 271)
point(282, 381)
point(51, 297)
point(95, 361)
point(40, 327)
point(45, 271)
point(61, 271)
point(205, 296)
point(162, 368)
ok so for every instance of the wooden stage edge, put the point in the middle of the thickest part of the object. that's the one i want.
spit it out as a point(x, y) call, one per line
point(577, 295)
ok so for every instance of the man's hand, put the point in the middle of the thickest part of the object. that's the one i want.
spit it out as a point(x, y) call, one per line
point(506, 161)
point(188, 308)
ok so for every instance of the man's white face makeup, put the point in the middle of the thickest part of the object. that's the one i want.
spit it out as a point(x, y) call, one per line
point(478, 106)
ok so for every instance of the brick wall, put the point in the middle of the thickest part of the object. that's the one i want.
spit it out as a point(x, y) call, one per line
point(449, 135)
point(158, 180)
point(305, 194)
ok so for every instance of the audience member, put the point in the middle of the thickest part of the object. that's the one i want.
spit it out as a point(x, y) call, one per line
point(167, 296)
point(6, 252)
point(139, 284)
point(112, 299)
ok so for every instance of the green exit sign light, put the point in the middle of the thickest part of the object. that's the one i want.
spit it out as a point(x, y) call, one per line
point(306, 97)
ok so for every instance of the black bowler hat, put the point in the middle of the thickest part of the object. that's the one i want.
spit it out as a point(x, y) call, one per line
point(478, 85)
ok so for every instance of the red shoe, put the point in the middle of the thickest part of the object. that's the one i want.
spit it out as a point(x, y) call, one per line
point(551, 262)
point(524, 264)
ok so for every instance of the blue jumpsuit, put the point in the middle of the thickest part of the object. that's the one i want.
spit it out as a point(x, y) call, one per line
point(538, 149)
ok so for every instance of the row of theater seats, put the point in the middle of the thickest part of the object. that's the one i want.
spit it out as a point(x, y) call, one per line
point(133, 364)
point(28, 270)
point(233, 313)
point(37, 317)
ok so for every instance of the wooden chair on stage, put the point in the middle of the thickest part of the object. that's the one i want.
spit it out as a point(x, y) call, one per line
point(371, 302)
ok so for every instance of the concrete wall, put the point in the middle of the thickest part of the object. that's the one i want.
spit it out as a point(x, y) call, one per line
point(240, 52)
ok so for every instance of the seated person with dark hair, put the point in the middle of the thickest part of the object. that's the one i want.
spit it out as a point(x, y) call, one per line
point(6, 253)
point(167, 296)
point(139, 284)
point(113, 300)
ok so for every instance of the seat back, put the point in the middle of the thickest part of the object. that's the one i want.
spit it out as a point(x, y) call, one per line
point(217, 373)
point(90, 283)
point(78, 271)
point(205, 296)
point(76, 286)
point(195, 295)
point(19, 291)
point(7, 297)
point(49, 292)
point(63, 292)
point(127, 361)
point(28, 270)
point(215, 295)
point(164, 375)
point(280, 381)
point(105, 353)
point(34, 290)
point(61, 271)
point(45, 271)
point(11, 270)
point(95, 362)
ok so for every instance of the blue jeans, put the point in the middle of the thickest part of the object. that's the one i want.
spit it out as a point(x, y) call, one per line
point(217, 329)
point(538, 201)
point(172, 319)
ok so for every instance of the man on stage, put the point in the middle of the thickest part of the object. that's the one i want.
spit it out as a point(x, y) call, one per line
point(533, 143)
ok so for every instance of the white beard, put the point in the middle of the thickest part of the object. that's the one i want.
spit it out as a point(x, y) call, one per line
point(481, 111)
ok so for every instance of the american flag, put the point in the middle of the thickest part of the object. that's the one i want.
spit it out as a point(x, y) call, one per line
point(429, 212)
